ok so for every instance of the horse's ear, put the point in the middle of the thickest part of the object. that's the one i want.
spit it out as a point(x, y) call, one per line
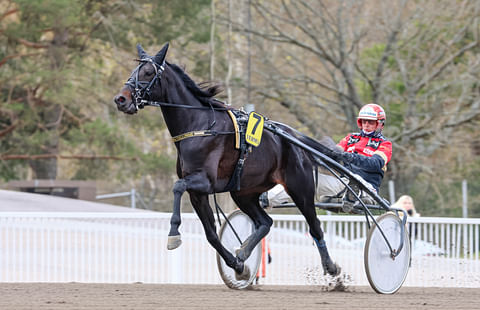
point(141, 53)
point(160, 57)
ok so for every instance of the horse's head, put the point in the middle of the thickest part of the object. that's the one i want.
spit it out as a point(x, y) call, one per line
point(142, 81)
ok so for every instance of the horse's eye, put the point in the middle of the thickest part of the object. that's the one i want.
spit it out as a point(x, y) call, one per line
point(146, 71)
point(149, 72)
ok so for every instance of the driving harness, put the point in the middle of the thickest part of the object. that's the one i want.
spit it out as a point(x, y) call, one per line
point(239, 118)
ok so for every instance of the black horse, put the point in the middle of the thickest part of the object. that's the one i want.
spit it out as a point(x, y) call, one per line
point(205, 163)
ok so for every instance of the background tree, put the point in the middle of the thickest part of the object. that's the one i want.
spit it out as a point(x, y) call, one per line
point(61, 63)
point(50, 78)
point(314, 64)
point(322, 60)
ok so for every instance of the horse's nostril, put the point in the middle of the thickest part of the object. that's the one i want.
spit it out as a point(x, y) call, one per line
point(120, 99)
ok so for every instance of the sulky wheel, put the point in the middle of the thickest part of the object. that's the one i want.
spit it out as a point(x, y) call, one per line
point(243, 227)
point(386, 274)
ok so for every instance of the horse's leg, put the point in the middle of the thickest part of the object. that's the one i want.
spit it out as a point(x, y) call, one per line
point(250, 206)
point(205, 214)
point(174, 238)
point(302, 193)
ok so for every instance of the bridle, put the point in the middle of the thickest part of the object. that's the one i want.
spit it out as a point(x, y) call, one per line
point(141, 96)
point(142, 89)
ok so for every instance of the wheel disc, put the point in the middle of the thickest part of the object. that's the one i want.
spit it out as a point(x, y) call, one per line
point(244, 227)
point(386, 275)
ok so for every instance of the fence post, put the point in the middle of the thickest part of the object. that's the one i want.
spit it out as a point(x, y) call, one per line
point(391, 191)
point(132, 198)
point(464, 200)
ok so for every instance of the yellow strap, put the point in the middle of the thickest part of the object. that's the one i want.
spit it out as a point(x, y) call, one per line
point(235, 125)
point(190, 134)
point(203, 133)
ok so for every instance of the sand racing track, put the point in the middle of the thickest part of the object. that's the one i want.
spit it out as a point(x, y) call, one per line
point(153, 296)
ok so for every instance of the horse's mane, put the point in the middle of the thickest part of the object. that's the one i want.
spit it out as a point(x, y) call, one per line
point(204, 91)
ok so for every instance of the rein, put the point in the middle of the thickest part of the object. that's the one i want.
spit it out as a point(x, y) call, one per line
point(160, 104)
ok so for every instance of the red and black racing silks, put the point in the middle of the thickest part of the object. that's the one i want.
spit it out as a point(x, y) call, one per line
point(376, 151)
point(360, 144)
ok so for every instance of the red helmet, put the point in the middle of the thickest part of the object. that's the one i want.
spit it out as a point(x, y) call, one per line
point(372, 111)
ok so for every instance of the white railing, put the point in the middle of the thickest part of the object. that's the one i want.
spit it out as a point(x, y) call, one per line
point(131, 247)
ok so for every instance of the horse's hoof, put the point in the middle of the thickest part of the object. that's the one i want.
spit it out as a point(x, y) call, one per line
point(245, 275)
point(174, 242)
point(332, 269)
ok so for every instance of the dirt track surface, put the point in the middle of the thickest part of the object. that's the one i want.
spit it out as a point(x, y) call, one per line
point(145, 296)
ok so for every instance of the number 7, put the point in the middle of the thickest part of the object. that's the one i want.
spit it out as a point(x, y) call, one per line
point(258, 118)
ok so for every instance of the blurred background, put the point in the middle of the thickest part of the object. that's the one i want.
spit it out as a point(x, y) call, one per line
point(309, 64)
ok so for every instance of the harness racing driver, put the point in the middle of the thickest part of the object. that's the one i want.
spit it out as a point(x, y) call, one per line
point(365, 153)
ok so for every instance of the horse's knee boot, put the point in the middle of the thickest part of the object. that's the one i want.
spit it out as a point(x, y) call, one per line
point(180, 187)
point(174, 238)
